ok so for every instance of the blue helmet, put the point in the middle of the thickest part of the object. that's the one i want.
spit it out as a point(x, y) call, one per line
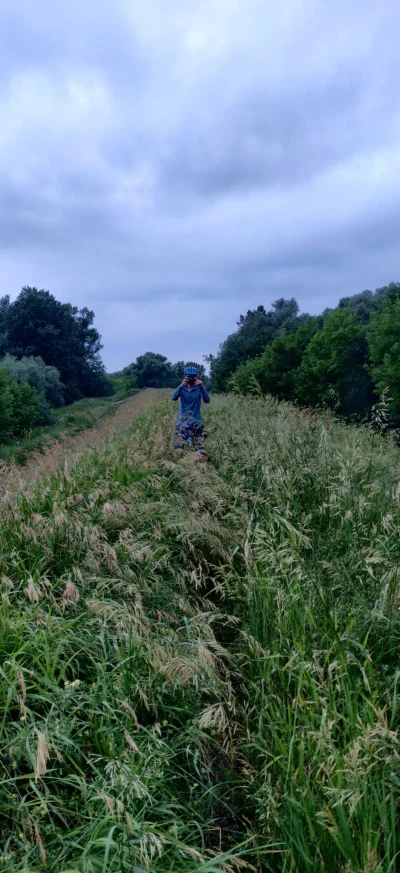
point(191, 371)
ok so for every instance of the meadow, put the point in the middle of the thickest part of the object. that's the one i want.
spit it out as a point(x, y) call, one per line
point(200, 662)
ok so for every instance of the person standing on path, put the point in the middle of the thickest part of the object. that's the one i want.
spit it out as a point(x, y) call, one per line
point(189, 429)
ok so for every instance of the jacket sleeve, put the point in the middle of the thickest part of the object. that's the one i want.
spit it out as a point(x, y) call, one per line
point(177, 393)
point(205, 395)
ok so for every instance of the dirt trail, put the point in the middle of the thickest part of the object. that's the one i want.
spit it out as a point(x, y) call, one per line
point(55, 454)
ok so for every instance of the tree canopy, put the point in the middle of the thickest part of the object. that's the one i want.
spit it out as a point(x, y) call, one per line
point(333, 366)
point(275, 369)
point(256, 329)
point(384, 346)
point(346, 357)
point(63, 336)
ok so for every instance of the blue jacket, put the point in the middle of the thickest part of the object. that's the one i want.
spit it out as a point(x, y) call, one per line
point(190, 401)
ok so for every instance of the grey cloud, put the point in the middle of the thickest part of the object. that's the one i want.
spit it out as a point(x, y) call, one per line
point(68, 38)
point(267, 138)
point(149, 159)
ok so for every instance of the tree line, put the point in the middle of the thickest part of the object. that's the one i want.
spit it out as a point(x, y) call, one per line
point(153, 370)
point(344, 358)
point(49, 355)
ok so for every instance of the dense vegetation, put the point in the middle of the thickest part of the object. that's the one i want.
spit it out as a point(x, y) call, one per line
point(344, 358)
point(36, 325)
point(199, 663)
point(49, 356)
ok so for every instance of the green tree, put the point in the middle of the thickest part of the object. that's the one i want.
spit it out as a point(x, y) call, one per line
point(38, 325)
point(333, 366)
point(364, 305)
point(275, 370)
point(329, 364)
point(256, 329)
point(384, 346)
point(151, 370)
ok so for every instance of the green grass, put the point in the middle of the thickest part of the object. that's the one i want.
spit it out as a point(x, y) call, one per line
point(68, 421)
point(199, 664)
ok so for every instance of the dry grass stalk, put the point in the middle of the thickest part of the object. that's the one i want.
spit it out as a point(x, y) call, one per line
point(42, 755)
point(131, 743)
point(22, 699)
point(33, 592)
point(70, 593)
point(39, 843)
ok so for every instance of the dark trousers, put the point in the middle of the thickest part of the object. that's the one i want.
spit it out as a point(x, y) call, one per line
point(189, 432)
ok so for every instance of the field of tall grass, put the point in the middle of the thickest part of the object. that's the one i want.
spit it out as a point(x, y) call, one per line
point(200, 662)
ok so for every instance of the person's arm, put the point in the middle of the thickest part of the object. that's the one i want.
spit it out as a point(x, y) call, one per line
point(177, 393)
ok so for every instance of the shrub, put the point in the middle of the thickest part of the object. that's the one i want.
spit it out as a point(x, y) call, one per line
point(25, 407)
point(19, 406)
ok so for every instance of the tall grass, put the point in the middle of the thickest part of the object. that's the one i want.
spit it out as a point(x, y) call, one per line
point(318, 599)
point(199, 663)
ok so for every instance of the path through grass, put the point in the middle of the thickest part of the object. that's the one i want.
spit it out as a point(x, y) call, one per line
point(199, 663)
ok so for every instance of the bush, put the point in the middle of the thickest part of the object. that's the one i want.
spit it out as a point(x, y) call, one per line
point(19, 406)
point(123, 384)
point(25, 407)
point(46, 380)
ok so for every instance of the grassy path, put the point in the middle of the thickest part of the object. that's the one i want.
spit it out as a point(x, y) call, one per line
point(55, 454)
point(199, 664)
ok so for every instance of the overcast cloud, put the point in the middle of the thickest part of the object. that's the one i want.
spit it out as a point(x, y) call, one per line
point(171, 163)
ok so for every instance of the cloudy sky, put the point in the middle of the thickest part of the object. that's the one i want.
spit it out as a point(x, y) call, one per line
point(172, 163)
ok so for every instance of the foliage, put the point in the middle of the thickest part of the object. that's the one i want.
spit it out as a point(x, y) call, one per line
point(332, 359)
point(45, 380)
point(384, 346)
point(199, 662)
point(25, 407)
point(19, 406)
point(123, 386)
point(150, 370)
point(256, 329)
point(37, 325)
point(275, 370)
point(365, 304)
point(333, 366)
